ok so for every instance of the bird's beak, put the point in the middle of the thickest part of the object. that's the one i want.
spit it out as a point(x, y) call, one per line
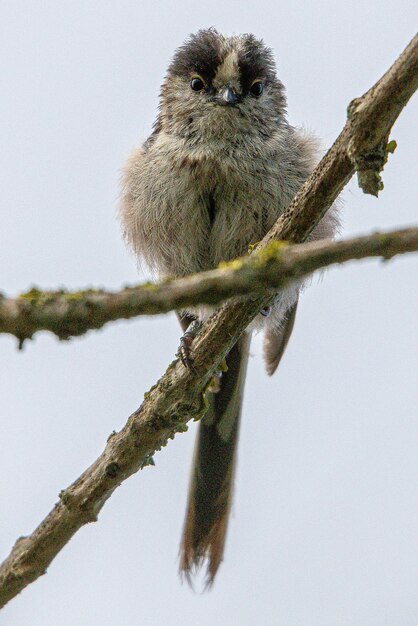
point(228, 96)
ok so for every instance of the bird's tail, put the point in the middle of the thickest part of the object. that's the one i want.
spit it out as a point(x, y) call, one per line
point(211, 484)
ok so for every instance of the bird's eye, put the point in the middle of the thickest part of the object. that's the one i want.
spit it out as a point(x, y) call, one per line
point(197, 84)
point(256, 88)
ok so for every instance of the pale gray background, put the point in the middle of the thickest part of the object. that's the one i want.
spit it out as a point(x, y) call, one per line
point(325, 516)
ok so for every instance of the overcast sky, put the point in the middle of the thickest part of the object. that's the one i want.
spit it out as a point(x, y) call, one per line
point(324, 530)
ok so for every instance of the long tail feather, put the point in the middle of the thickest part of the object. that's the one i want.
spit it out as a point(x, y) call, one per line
point(212, 478)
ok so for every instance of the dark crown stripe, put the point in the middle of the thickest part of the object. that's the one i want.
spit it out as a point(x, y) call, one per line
point(201, 53)
point(255, 61)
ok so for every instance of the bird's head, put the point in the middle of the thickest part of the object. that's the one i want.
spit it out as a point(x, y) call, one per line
point(218, 86)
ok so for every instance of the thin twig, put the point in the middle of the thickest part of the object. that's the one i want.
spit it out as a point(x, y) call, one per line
point(71, 314)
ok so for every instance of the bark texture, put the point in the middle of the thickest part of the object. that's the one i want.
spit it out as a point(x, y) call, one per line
point(72, 314)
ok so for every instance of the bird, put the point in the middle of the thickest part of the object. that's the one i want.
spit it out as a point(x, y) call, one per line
point(219, 168)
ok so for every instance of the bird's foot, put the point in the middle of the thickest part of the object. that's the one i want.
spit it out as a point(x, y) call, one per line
point(186, 341)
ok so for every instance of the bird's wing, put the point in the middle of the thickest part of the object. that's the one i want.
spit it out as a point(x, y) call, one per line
point(275, 342)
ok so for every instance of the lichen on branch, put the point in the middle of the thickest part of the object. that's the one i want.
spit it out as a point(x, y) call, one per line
point(70, 314)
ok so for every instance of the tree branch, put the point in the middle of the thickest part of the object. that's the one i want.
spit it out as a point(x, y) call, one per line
point(180, 394)
point(71, 314)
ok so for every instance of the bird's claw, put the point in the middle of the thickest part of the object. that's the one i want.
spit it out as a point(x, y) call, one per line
point(185, 349)
point(186, 345)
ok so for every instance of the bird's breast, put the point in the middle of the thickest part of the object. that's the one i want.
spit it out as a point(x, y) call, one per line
point(207, 206)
